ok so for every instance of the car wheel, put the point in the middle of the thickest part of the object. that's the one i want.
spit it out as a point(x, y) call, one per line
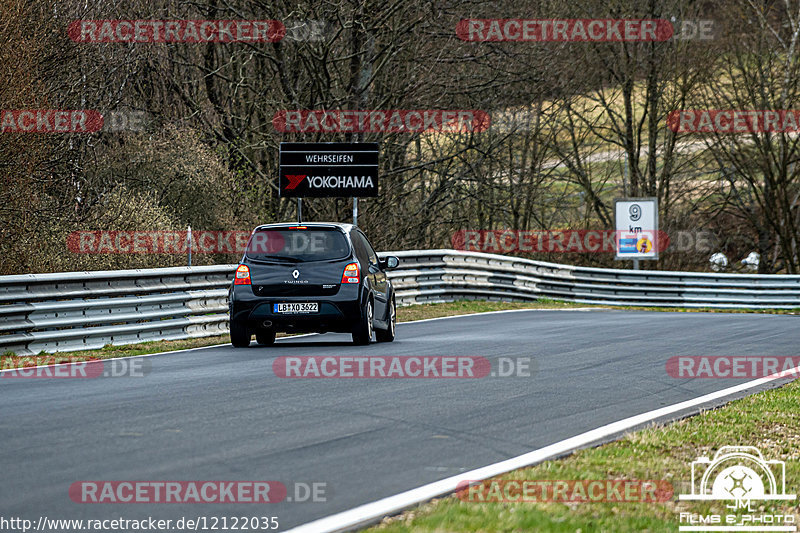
point(387, 335)
point(265, 337)
point(240, 336)
point(363, 333)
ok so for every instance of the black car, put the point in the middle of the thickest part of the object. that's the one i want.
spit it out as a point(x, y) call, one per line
point(311, 277)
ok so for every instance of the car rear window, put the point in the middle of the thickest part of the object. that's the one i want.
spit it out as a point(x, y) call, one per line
point(309, 244)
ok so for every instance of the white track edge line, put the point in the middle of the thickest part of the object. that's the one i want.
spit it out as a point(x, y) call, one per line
point(365, 513)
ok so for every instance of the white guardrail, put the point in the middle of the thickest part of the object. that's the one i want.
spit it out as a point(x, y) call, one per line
point(88, 310)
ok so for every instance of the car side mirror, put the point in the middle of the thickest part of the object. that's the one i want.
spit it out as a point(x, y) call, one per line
point(390, 262)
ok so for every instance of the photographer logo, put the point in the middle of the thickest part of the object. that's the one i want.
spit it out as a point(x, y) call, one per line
point(738, 476)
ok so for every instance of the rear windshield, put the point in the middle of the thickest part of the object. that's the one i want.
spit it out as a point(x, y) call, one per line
point(310, 244)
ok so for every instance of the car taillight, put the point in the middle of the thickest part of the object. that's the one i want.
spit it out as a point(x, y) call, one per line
point(242, 275)
point(350, 273)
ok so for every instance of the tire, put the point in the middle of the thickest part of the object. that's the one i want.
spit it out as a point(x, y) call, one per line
point(363, 332)
point(387, 335)
point(240, 336)
point(265, 337)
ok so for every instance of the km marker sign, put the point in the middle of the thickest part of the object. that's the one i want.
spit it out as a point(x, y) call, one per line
point(324, 170)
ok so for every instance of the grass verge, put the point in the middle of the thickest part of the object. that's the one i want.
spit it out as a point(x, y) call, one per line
point(769, 420)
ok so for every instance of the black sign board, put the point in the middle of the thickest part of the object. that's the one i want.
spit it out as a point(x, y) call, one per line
point(324, 170)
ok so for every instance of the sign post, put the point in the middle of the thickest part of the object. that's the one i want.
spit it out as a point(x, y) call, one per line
point(189, 243)
point(636, 225)
point(328, 170)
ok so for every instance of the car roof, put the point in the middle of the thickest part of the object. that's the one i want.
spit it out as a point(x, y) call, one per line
point(344, 227)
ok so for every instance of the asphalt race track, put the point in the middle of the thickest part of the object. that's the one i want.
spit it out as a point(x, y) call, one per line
point(221, 413)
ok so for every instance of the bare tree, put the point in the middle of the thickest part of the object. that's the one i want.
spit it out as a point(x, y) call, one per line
point(758, 171)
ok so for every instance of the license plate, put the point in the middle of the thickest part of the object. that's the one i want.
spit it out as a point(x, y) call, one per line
point(305, 307)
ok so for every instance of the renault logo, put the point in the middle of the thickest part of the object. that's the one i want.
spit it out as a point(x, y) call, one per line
point(296, 274)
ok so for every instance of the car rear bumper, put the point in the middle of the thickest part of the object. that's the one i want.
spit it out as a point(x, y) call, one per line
point(337, 313)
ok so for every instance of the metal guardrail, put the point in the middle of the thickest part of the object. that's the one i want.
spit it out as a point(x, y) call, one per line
point(447, 275)
point(88, 310)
